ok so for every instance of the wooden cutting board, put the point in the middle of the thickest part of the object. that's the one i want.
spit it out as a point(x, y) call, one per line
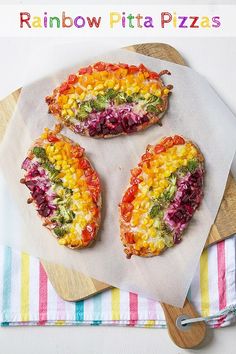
point(72, 285)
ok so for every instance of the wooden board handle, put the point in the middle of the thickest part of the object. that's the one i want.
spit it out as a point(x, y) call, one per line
point(190, 335)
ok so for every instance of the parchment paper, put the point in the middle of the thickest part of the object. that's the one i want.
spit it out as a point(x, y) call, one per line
point(195, 111)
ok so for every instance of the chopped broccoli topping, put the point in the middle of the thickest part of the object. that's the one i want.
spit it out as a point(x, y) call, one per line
point(81, 115)
point(152, 109)
point(154, 100)
point(49, 166)
point(183, 170)
point(100, 103)
point(169, 193)
point(63, 213)
point(59, 231)
point(167, 238)
point(172, 179)
point(84, 110)
point(157, 224)
point(154, 211)
point(68, 215)
point(58, 182)
point(39, 152)
point(192, 165)
point(86, 106)
point(129, 99)
point(165, 197)
point(120, 98)
point(68, 190)
point(111, 93)
point(152, 104)
point(61, 219)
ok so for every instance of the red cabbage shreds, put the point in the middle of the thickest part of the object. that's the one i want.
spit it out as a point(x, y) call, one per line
point(113, 120)
point(33, 171)
point(39, 185)
point(187, 199)
point(26, 164)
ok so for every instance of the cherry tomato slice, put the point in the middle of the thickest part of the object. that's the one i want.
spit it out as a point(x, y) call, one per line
point(82, 71)
point(112, 67)
point(168, 142)
point(64, 87)
point(95, 212)
point(126, 211)
point(123, 66)
point(135, 180)
point(178, 140)
point(83, 163)
point(159, 148)
point(89, 69)
point(99, 66)
point(130, 194)
point(89, 232)
point(88, 172)
point(133, 69)
point(136, 171)
point(153, 75)
point(142, 68)
point(93, 179)
point(94, 191)
point(147, 156)
point(72, 79)
point(52, 138)
point(77, 151)
point(129, 237)
point(109, 67)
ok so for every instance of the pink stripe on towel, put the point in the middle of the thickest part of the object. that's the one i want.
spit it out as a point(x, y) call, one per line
point(43, 295)
point(133, 307)
point(221, 279)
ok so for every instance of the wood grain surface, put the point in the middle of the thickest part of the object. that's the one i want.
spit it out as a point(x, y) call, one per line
point(72, 285)
point(193, 334)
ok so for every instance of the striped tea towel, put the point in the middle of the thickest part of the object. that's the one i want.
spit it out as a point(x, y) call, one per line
point(27, 297)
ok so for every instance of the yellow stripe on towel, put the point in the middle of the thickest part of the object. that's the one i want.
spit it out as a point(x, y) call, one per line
point(204, 284)
point(115, 304)
point(25, 263)
point(60, 323)
point(149, 324)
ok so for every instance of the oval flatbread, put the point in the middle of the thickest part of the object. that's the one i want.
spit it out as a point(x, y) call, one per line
point(64, 188)
point(165, 190)
point(105, 100)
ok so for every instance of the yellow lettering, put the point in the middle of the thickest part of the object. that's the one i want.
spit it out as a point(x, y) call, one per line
point(205, 22)
point(36, 22)
point(114, 18)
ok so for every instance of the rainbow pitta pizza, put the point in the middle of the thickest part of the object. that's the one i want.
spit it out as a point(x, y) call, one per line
point(164, 192)
point(64, 189)
point(105, 100)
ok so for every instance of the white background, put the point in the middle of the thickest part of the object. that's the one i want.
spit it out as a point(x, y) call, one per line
point(215, 59)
